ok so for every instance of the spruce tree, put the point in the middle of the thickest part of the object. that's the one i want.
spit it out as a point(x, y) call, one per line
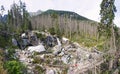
point(107, 16)
point(106, 27)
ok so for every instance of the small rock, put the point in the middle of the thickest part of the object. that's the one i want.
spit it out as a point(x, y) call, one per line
point(50, 71)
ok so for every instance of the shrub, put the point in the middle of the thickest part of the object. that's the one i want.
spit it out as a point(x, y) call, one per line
point(38, 60)
point(52, 31)
point(10, 54)
point(5, 41)
point(40, 36)
point(14, 67)
point(2, 70)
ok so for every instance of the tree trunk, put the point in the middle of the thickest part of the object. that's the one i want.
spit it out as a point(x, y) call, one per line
point(113, 48)
point(113, 38)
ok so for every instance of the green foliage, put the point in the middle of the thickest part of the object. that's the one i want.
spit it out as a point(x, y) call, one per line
point(54, 15)
point(1, 26)
point(56, 30)
point(39, 70)
point(20, 20)
point(10, 53)
point(100, 46)
point(30, 25)
point(107, 16)
point(106, 72)
point(47, 61)
point(41, 36)
point(89, 72)
point(2, 70)
point(104, 31)
point(85, 41)
point(14, 67)
point(65, 71)
point(38, 60)
point(57, 62)
point(52, 31)
point(5, 41)
point(107, 12)
point(104, 68)
point(117, 36)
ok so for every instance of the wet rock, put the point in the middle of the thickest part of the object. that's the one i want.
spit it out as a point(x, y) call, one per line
point(51, 41)
point(25, 41)
point(23, 35)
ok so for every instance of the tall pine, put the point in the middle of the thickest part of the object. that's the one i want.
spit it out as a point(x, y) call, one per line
point(106, 27)
point(18, 18)
point(107, 14)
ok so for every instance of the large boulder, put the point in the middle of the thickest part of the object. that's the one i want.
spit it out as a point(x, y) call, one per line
point(33, 38)
point(57, 49)
point(65, 40)
point(38, 48)
point(50, 41)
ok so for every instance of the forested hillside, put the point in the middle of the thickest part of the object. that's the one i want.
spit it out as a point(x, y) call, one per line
point(65, 23)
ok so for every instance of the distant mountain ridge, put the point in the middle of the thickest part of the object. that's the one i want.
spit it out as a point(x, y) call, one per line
point(35, 13)
point(69, 14)
point(3, 18)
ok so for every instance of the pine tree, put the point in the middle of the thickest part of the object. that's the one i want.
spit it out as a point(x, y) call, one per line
point(106, 27)
point(18, 17)
point(107, 16)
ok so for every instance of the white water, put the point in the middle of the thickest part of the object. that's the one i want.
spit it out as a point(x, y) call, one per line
point(58, 41)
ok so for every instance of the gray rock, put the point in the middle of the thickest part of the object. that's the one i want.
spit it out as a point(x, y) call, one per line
point(50, 71)
point(65, 59)
point(39, 48)
point(14, 41)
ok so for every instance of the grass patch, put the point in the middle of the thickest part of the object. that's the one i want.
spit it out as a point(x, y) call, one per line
point(89, 42)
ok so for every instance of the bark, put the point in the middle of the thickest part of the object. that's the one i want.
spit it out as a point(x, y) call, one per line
point(113, 42)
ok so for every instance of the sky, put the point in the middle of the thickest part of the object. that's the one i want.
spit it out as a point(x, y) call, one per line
point(86, 8)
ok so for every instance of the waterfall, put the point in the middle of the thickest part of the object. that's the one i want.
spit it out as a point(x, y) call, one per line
point(58, 41)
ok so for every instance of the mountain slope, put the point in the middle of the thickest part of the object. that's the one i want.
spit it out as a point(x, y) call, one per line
point(70, 14)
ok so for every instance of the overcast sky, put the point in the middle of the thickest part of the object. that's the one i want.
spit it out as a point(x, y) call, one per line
point(87, 8)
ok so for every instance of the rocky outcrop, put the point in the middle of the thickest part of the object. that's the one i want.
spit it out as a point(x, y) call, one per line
point(63, 58)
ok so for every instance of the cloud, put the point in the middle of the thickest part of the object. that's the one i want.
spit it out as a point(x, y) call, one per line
point(39, 5)
point(117, 21)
